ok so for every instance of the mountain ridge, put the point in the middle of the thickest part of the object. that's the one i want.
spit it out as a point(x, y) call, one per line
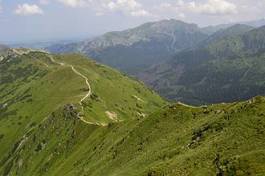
point(234, 30)
point(134, 49)
point(35, 85)
point(226, 70)
point(74, 116)
point(234, 146)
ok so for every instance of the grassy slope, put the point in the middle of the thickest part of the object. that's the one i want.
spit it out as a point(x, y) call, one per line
point(113, 92)
point(175, 140)
point(32, 88)
point(223, 139)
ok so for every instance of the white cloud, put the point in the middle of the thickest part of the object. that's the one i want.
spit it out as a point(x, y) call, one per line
point(126, 4)
point(171, 10)
point(214, 7)
point(129, 7)
point(75, 3)
point(28, 9)
point(181, 9)
point(140, 13)
point(176, 8)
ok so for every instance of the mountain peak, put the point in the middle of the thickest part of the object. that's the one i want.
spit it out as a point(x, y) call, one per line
point(168, 25)
point(139, 47)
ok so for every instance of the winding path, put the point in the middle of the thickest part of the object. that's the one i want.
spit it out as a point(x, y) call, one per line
point(79, 74)
point(86, 96)
point(25, 137)
point(89, 93)
point(87, 83)
point(188, 106)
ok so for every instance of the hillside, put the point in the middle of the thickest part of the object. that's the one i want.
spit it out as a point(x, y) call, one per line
point(135, 49)
point(67, 115)
point(247, 44)
point(34, 85)
point(222, 34)
point(228, 69)
point(226, 139)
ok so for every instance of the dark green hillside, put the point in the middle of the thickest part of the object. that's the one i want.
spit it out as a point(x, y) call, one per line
point(67, 115)
point(250, 43)
point(229, 69)
point(229, 32)
point(225, 139)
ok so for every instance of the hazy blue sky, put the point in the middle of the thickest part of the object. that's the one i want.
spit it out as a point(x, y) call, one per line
point(27, 20)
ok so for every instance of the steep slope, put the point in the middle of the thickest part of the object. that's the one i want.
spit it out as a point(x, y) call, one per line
point(34, 85)
point(226, 139)
point(229, 69)
point(250, 43)
point(134, 49)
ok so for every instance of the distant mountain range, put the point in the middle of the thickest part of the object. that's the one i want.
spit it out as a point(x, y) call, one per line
point(160, 53)
point(132, 50)
point(212, 29)
point(135, 49)
point(226, 33)
point(41, 44)
point(228, 68)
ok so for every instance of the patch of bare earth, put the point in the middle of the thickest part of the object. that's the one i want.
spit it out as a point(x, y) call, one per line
point(112, 115)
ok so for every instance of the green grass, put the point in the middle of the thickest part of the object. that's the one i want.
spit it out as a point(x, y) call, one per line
point(32, 88)
point(177, 140)
point(113, 92)
point(42, 135)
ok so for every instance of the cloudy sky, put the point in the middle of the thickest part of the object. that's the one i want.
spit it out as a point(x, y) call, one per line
point(29, 20)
